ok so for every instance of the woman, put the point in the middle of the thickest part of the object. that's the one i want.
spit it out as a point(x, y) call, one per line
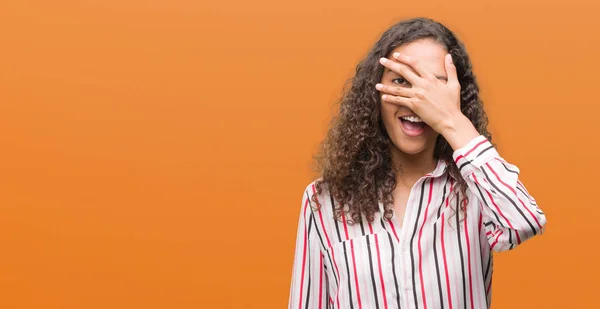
point(413, 197)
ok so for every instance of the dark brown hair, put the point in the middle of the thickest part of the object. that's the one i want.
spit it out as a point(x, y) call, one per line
point(354, 158)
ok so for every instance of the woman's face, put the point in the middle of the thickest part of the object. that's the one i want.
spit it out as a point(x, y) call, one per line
point(412, 137)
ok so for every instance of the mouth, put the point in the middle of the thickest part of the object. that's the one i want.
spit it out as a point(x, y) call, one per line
point(412, 125)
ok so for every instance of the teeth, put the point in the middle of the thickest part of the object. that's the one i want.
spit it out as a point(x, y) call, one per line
point(412, 118)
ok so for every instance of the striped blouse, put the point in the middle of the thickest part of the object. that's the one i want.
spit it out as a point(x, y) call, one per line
point(438, 259)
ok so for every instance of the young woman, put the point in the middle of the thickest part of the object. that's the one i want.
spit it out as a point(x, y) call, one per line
point(414, 197)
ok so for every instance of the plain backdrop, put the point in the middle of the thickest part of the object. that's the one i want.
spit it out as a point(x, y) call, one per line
point(153, 154)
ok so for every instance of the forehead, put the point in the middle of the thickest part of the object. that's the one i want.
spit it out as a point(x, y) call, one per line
point(427, 52)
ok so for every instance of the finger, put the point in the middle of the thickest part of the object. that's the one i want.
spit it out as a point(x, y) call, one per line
point(451, 72)
point(415, 64)
point(401, 69)
point(396, 90)
point(397, 100)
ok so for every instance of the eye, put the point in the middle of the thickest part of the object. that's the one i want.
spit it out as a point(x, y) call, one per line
point(401, 81)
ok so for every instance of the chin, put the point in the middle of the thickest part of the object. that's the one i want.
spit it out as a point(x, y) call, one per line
point(411, 146)
point(410, 149)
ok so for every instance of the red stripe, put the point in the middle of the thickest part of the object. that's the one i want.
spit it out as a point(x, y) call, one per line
point(328, 244)
point(524, 189)
point(500, 160)
point(345, 225)
point(475, 147)
point(518, 238)
point(487, 291)
point(495, 242)
point(444, 252)
point(381, 273)
point(468, 152)
point(515, 193)
point(320, 280)
point(355, 275)
point(394, 230)
point(353, 263)
point(492, 199)
point(419, 243)
point(303, 258)
point(469, 262)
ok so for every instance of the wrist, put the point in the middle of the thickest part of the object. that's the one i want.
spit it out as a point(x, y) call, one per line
point(458, 131)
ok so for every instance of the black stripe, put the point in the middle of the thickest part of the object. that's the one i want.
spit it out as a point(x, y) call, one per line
point(412, 256)
point(495, 215)
point(487, 270)
point(309, 276)
point(312, 217)
point(310, 225)
point(506, 168)
point(490, 294)
point(488, 206)
point(523, 192)
point(371, 265)
point(327, 298)
point(393, 263)
point(326, 294)
point(463, 165)
point(462, 259)
point(309, 262)
point(337, 227)
point(509, 199)
point(328, 251)
point(482, 233)
point(477, 156)
point(481, 152)
point(437, 266)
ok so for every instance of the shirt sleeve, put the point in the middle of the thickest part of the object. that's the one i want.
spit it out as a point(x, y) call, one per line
point(309, 284)
point(510, 214)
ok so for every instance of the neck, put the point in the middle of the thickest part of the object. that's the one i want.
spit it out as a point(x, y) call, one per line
point(411, 167)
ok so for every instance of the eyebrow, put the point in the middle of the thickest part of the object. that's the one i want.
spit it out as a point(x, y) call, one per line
point(444, 78)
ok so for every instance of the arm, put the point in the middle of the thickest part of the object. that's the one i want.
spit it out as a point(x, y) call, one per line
point(507, 210)
point(309, 288)
point(510, 214)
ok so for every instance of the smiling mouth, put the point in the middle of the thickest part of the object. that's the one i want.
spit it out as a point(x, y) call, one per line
point(412, 125)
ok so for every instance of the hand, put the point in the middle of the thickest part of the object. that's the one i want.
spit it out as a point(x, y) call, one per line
point(434, 101)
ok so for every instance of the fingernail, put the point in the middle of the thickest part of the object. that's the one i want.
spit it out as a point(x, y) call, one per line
point(383, 60)
point(379, 86)
point(396, 55)
point(449, 57)
point(384, 97)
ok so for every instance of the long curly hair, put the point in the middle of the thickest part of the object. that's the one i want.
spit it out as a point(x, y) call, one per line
point(355, 159)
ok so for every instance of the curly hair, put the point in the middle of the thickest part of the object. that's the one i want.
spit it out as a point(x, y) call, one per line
point(355, 159)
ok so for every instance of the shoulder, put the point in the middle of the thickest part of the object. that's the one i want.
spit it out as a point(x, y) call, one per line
point(311, 191)
point(311, 197)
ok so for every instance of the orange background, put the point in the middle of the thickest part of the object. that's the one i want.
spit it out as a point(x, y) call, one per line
point(153, 154)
